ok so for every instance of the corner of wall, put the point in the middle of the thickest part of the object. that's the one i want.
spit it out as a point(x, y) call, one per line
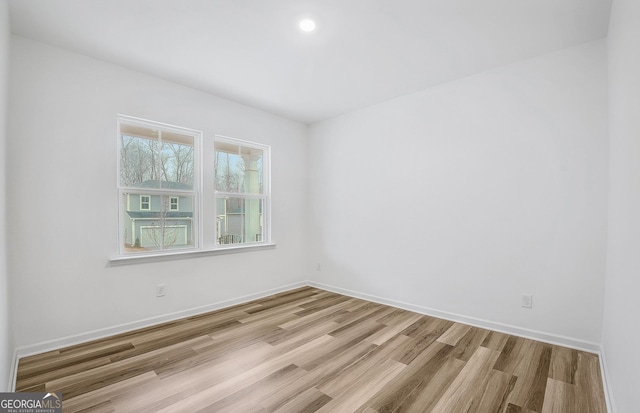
point(6, 342)
point(604, 372)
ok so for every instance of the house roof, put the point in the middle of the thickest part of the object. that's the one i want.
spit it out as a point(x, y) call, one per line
point(155, 183)
point(158, 215)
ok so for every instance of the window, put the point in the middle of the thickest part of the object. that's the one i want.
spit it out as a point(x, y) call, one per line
point(241, 191)
point(180, 191)
point(157, 166)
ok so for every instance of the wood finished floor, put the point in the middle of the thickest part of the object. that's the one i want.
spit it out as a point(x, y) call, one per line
point(310, 350)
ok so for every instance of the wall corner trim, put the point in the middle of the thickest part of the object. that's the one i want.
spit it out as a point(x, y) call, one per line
point(606, 383)
point(13, 372)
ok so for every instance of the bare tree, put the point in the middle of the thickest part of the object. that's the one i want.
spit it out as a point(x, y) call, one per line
point(144, 159)
point(229, 171)
point(152, 150)
point(182, 163)
point(163, 234)
point(134, 161)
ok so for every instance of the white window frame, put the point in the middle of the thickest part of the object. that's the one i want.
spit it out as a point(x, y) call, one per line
point(205, 231)
point(265, 196)
point(148, 208)
point(177, 198)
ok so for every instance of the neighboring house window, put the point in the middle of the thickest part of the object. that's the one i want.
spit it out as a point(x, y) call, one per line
point(162, 172)
point(145, 202)
point(242, 191)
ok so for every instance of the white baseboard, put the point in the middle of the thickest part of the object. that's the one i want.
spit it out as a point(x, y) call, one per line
point(25, 351)
point(606, 383)
point(570, 342)
point(13, 372)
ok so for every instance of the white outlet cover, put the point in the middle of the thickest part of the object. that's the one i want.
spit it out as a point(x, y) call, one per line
point(527, 301)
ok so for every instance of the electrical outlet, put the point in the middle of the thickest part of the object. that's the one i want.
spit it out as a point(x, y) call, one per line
point(318, 268)
point(161, 290)
point(527, 301)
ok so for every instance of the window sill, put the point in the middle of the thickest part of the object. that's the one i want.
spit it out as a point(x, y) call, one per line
point(167, 256)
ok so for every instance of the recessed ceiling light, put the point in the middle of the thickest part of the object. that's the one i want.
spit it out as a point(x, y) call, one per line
point(307, 25)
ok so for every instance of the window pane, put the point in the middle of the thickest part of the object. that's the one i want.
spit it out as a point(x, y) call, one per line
point(238, 168)
point(145, 202)
point(158, 227)
point(155, 159)
point(239, 220)
point(176, 161)
point(138, 157)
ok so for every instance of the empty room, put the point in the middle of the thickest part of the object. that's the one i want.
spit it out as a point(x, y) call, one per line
point(320, 206)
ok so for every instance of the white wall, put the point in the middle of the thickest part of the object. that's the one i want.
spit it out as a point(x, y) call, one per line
point(62, 197)
point(621, 335)
point(466, 195)
point(6, 343)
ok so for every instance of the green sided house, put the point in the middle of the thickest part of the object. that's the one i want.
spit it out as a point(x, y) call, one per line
point(158, 221)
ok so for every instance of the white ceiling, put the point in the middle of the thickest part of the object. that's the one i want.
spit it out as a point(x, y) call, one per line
point(363, 51)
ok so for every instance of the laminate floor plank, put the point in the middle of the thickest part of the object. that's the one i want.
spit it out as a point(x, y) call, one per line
point(317, 376)
point(428, 392)
point(351, 374)
point(422, 369)
point(495, 340)
point(496, 392)
point(468, 344)
point(454, 334)
point(564, 363)
point(317, 327)
point(309, 350)
point(423, 337)
point(560, 398)
point(58, 358)
point(532, 375)
point(466, 391)
point(47, 376)
point(327, 301)
point(308, 401)
point(393, 329)
point(366, 385)
point(589, 383)
point(305, 319)
point(249, 397)
point(105, 394)
point(282, 299)
point(341, 344)
point(283, 309)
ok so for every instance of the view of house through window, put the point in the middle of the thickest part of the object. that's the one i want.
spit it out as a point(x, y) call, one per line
point(241, 195)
